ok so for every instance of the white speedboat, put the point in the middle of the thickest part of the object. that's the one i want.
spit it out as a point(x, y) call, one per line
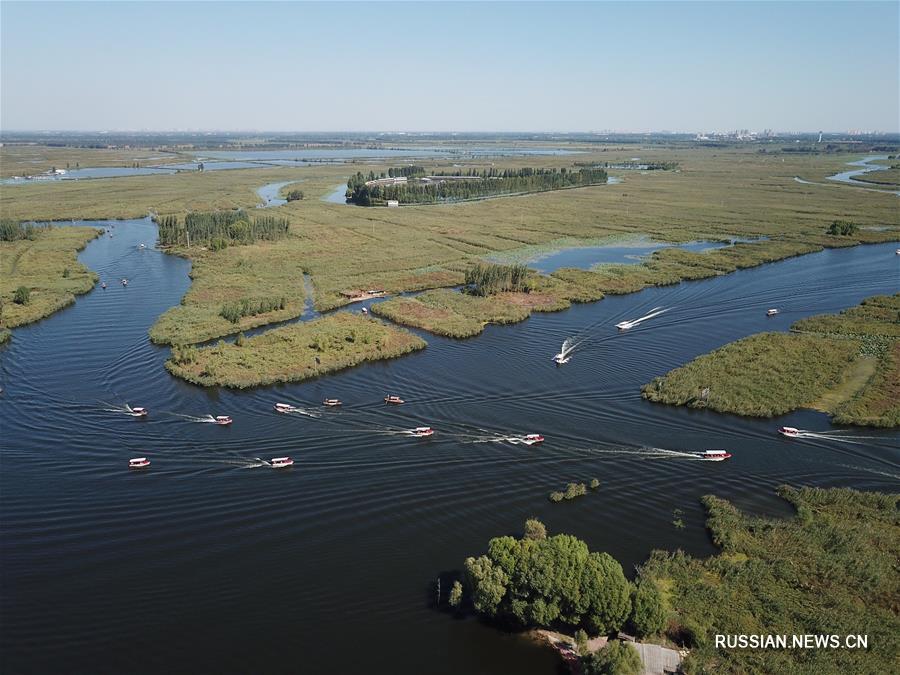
point(631, 323)
point(284, 408)
point(281, 462)
point(138, 412)
point(223, 419)
point(138, 463)
point(560, 359)
point(790, 432)
point(714, 455)
point(771, 312)
point(532, 439)
point(332, 402)
point(422, 431)
point(393, 400)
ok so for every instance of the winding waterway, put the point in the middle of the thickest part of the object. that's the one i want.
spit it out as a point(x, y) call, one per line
point(207, 562)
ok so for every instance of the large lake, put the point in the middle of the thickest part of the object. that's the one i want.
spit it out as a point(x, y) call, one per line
point(202, 564)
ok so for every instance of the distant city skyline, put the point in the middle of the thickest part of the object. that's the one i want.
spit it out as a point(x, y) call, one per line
point(684, 67)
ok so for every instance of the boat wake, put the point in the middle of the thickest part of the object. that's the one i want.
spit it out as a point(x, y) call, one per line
point(836, 435)
point(565, 352)
point(656, 311)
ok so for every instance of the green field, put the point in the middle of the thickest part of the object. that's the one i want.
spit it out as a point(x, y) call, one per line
point(846, 364)
point(890, 177)
point(293, 353)
point(48, 266)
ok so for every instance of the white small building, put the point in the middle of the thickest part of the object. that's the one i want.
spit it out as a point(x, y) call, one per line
point(393, 202)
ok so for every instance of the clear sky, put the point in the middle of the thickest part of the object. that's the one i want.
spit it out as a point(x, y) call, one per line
point(503, 66)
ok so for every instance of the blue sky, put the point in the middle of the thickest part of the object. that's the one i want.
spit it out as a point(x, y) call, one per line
point(505, 66)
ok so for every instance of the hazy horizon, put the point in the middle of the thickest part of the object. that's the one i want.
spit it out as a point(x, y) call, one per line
point(415, 67)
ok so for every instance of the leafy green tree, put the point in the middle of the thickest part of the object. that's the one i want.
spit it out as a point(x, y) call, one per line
point(456, 594)
point(616, 658)
point(581, 642)
point(535, 529)
point(648, 616)
point(843, 228)
point(488, 584)
point(22, 295)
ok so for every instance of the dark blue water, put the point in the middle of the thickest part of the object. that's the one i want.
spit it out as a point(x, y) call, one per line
point(208, 562)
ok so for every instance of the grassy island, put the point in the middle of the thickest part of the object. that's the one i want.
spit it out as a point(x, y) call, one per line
point(830, 570)
point(847, 364)
point(39, 271)
point(292, 353)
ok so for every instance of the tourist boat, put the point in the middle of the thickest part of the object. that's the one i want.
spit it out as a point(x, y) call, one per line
point(138, 463)
point(532, 439)
point(223, 419)
point(714, 455)
point(771, 312)
point(138, 412)
point(332, 402)
point(394, 400)
point(281, 462)
point(790, 432)
point(284, 408)
point(423, 431)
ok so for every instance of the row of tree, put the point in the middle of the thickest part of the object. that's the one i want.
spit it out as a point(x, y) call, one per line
point(219, 229)
point(235, 311)
point(407, 171)
point(488, 279)
point(475, 183)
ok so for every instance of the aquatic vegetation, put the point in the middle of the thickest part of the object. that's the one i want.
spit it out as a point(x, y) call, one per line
point(22, 295)
point(572, 491)
point(489, 279)
point(825, 363)
point(235, 311)
point(843, 228)
point(13, 230)
point(5, 335)
point(292, 353)
point(830, 569)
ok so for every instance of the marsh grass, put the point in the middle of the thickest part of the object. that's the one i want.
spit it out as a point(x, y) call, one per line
point(293, 353)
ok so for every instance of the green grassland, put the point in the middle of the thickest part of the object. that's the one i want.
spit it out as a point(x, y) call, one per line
point(717, 193)
point(831, 569)
point(293, 353)
point(889, 177)
point(48, 266)
point(846, 364)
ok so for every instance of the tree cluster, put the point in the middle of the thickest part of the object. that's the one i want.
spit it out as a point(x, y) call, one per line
point(235, 311)
point(556, 580)
point(487, 279)
point(465, 184)
point(218, 229)
point(843, 228)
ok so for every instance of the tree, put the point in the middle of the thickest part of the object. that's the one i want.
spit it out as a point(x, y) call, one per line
point(535, 529)
point(294, 195)
point(488, 583)
point(842, 228)
point(616, 658)
point(22, 296)
point(648, 616)
point(456, 593)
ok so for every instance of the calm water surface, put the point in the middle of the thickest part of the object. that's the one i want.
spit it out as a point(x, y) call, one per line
point(208, 563)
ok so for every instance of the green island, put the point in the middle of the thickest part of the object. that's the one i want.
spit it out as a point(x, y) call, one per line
point(890, 177)
point(413, 185)
point(846, 364)
point(830, 569)
point(292, 353)
point(39, 271)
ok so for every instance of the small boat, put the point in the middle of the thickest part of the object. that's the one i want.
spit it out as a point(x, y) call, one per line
point(141, 246)
point(284, 408)
point(281, 462)
point(364, 310)
point(559, 359)
point(138, 412)
point(423, 431)
point(771, 312)
point(393, 400)
point(138, 463)
point(332, 402)
point(898, 251)
point(624, 325)
point(124, 282)
point(223, 419)
point(714, 455)
point(790, 432)
point(103, 284)
point(532, 439)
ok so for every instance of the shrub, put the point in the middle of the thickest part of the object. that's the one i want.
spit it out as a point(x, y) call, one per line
point(616, 658)
point(594, 483)
point(556, 496)
point(581, 642)
point(295, 195)
point(456, 593)
point(843, 228)
point(575, 490)
point(647, 614)
point(486, 279)
point(535, 529)
point(22, 296)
